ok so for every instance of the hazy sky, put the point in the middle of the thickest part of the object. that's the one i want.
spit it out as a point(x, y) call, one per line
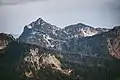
point(15, 14)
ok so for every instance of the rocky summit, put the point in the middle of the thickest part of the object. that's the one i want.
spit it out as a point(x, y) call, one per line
point(44, 34)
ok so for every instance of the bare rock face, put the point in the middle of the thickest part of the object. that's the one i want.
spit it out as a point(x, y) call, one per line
point(114, 43)
point(114, 47)
point(2, 44)
point(34, 61)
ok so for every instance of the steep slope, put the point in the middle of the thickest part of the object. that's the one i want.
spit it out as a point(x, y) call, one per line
point(99, 45)
point(93, 53)
point(36, 61)
point(114, 42)
point(96, 55)
point(78, 39)
point(46, 35)
point(43, 34)
point(21, 61)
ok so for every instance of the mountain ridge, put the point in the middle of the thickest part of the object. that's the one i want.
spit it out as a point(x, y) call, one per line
point(80, 58)
point(54, 35)
point(28, 61)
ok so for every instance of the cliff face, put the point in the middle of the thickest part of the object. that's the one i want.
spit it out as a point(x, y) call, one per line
point(114, 42)
point(34, 61)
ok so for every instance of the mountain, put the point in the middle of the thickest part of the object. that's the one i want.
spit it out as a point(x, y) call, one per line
point(93, 53)
point(44, 34)
point(20, 61)
point(23, 61)
point(76, 52)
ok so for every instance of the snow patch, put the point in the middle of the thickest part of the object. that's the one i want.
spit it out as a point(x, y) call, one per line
point(46, 39)
point(88, 33)
point(29, 26)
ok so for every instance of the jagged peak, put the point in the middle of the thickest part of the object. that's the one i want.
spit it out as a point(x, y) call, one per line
point(80, 25)
point(84, 25)
point(39, 21)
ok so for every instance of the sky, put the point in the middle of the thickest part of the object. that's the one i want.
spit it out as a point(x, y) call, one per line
point(15, 14)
